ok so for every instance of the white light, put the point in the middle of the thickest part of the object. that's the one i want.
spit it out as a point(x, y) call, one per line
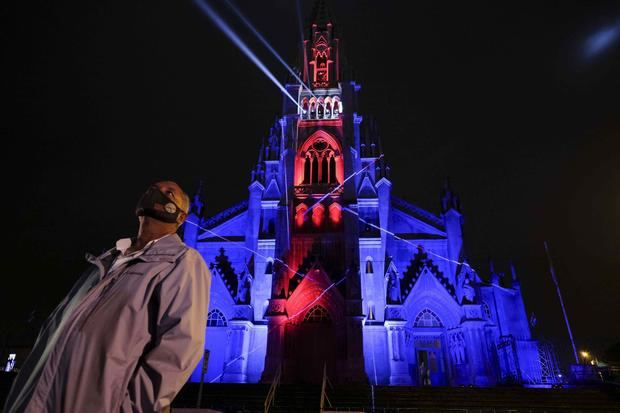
point(10, 362)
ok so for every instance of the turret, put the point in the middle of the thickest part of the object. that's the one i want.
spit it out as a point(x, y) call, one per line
point(321, 55)
point(194, 218)
point(453, 220)
point(515, 280)
point(494, 277)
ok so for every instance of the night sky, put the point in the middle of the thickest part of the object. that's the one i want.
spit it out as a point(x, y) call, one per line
point(519, 105)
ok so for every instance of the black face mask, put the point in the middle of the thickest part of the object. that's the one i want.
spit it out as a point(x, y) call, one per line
point(146, 206)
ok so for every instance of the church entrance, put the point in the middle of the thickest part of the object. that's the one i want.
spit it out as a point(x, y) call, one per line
point(310, 345)
point(430, 366)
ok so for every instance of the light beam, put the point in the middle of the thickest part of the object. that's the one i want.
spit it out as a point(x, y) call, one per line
point(221, 24)
point(266, 44)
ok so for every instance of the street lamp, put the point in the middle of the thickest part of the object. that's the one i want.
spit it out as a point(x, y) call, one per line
point(585, 355)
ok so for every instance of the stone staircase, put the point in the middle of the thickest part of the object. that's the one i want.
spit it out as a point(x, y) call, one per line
point(498, 399)
point(237, 398)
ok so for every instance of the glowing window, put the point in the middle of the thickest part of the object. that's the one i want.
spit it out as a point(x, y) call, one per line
point(335, 213)
point(318, 215)
point(317, 314)
point(328, 107)
point(216, 319)
point(369, 269)
point(300, 215)
point(427, 318)
point(319, 161)
point(319, 164)
point(337, 106)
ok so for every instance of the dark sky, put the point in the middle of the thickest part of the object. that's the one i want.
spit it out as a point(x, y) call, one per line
point(505, 99)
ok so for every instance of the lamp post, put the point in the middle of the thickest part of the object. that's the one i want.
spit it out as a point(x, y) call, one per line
point(205, 363)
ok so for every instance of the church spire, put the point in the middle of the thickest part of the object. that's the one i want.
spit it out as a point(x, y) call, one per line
point(321, 14)
point(449, 200)
point(494, 276)
point(321, 53)
point(196, 205)
point(513, 272)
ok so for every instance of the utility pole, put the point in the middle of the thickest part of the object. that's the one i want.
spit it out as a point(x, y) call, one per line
point(557, 288)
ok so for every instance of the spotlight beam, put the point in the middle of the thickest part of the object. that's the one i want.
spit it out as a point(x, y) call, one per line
point(221, 24)
point(267, 45)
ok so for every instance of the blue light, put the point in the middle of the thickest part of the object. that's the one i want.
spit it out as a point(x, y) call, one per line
point(601, 40)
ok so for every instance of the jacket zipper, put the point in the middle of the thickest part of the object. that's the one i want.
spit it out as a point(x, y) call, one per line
point(105, 290)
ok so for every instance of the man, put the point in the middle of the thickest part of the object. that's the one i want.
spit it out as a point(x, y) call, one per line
point(131, 330)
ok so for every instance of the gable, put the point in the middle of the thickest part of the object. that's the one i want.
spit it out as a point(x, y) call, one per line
point(220, 297)
point(315, 288)
point(428, 293)
point(366, 189)
point(272, 191)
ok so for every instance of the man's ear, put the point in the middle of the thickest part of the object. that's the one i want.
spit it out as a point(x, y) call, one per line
point(181, 218)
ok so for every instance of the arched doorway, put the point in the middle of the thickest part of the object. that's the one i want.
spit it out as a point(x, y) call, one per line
point(430, 367)
point(311, 343)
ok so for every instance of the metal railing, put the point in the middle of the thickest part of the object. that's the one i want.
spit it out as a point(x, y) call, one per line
point(324, 389)
point(271, 395)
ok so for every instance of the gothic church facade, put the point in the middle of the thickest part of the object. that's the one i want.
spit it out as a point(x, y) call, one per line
point(322, 267)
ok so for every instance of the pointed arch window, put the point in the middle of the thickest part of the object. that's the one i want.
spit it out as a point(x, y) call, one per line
point(369, 269)
point(486, 311)
point(300, 215)
point(315, 170)
point(324, 170)
point(319, 164)
point(318, 215)
point(269, 267)
point(371, 311)
point(307, 162)
point(317, 314)
point(335, 213)
point(216, 319)
point(427, 318)
point(337, 106)
point(320, 109)
point(312, 108)
point(332, 168)
point(328, 107)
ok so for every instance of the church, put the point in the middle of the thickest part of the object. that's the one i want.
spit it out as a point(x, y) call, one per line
point(322, 270)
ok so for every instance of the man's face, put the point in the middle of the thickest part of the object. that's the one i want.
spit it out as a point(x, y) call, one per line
point(174, 193)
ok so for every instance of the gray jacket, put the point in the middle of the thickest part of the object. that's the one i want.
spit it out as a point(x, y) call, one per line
point(123, 341)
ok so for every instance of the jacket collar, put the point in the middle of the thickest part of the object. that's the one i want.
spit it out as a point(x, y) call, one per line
point(168, 248)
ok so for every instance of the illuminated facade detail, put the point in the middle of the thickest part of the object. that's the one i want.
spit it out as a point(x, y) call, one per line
point(300, 282)
point(317, 314)
point(329, 107)
point(216, 319)
point(426, 318)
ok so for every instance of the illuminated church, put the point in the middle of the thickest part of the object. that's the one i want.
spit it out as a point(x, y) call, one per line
point(323, 267)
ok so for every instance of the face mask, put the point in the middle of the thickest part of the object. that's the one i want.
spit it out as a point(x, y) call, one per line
point(146, 206)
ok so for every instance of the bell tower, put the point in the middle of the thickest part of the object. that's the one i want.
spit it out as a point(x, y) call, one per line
point(321, 275)
point(321, 54)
